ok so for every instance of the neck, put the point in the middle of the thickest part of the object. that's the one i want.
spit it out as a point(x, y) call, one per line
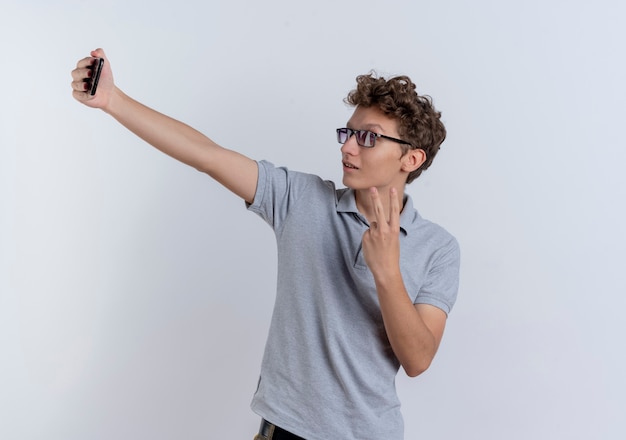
point(365, 206)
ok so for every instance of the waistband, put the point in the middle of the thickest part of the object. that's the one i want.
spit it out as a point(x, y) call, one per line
point(269, 431)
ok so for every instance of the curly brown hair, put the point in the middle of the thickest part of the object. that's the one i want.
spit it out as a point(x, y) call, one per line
point(418, 121)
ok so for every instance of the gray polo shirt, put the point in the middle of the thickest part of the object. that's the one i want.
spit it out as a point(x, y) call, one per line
point(329, 371)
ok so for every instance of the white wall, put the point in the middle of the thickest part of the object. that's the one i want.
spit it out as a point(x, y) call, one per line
point(135, 293)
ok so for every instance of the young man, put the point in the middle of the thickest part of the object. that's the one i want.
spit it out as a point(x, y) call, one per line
point(364, 283)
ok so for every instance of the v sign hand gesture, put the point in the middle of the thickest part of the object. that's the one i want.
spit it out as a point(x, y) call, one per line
point(381, 242)
point(414, 330)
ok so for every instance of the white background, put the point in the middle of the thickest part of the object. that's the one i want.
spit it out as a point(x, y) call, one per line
point(135, 293)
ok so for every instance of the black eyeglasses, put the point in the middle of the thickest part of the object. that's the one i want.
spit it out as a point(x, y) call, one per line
point(364, 138)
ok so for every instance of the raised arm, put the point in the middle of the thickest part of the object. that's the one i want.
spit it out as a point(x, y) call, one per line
point(235, 171)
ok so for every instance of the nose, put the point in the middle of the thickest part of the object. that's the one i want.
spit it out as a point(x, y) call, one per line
point(350, 146)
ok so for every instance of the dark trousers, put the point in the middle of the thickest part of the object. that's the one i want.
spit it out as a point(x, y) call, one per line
point(269, 431)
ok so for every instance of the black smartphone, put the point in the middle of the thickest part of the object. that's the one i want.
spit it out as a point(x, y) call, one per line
point(92, 81)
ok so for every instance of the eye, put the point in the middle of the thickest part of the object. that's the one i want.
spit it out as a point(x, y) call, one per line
point(368, 138)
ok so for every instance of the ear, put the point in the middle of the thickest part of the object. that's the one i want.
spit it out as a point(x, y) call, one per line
point(413, 159)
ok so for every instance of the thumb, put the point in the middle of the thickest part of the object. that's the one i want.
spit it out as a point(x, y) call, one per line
point(98, 53)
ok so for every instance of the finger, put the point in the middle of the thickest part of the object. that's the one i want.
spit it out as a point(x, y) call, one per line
point(88, 61)
point(378, 206)
point(98, 53)
point(79, 79)
point(81, 73)
point(85, 63)
point(394, 209)
point(84, 66)
point(79, 96)
point(80, 85)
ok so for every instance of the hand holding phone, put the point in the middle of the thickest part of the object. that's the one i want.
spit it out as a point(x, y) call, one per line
point(92, 81)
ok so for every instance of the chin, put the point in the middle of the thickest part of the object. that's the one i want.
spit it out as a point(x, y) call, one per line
point(349, 183)
point(356, 184)
point(353, 187)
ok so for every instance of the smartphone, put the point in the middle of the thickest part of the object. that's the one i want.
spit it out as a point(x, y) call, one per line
point(92, 81)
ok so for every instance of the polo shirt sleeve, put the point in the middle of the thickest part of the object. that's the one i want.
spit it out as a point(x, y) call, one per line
point(278, 189)
point(442, 283)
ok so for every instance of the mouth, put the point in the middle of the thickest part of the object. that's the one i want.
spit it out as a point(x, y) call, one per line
point(350, 166)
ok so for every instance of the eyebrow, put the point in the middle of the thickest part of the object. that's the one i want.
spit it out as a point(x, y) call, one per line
point(369, 127)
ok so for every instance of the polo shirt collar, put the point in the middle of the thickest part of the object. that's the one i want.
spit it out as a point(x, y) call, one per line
point(408, 216)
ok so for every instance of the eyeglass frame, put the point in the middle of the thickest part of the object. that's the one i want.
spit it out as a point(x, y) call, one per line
point(350, 132)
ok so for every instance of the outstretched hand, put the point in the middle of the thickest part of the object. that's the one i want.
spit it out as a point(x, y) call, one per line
point(381, 242)
point(80, 76)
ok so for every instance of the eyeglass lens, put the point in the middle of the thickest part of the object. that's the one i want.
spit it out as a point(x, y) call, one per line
point(363, 137)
